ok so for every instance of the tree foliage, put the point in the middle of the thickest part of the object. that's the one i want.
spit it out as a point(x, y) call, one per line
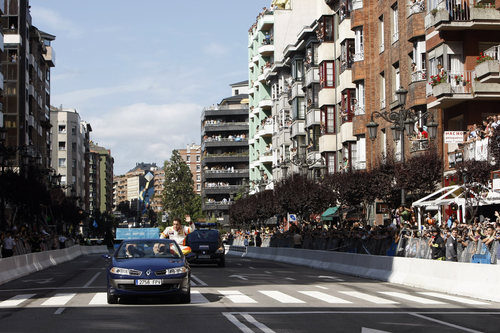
point(179, 198)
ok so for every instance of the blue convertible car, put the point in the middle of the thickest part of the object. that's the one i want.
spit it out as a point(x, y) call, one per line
point(148, 267)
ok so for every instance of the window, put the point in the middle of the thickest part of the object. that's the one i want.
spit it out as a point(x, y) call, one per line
point(381, 32)
point(236, 92)
point(197, 158)
point(325, 29)
point(347, 105)
point(187, 159)
point(395, 28)
point(198, 178)
point(297, 69)
point(359, 53)
point(327, 74)
point(198, 168)
point(330, 162)
point(73, 130)
point(198, 187)
point(418, 59)
point(62, 129)
point(328, 114)
point(396, 80)
point(62, 145)
point(62, 163)
point(360, 155)
point(313, 134)
point(298, 108)
point(359, 105)
point(382, 90)
point(346, 54)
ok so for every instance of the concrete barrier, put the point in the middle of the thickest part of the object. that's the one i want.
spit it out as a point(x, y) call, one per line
point(465, 279)
point(21, 265)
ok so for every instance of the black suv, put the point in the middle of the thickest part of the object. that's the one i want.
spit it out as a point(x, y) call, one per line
point(206, 247)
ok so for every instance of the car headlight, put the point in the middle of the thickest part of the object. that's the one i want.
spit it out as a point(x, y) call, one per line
point(176, 270)
point(121, 271)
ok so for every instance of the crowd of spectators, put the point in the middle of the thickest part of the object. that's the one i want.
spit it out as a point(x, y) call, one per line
point(29, 239)
point(485, 130)
point(238, 137)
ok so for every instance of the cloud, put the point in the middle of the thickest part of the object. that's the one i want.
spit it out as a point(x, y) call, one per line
point(50, 20)
point(216, 50)
point(146, 133)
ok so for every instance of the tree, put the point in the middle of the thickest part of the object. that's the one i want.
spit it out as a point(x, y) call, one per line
point(179, 198)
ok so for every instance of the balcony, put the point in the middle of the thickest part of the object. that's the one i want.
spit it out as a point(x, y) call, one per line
point(221, 189)
point(266, 103)
point(266, 158)
point(357, 4)
point(50, 56)
point(420, 75)
point(225, 158)
point(225, 173)
point(216, 205)
point(419, 145)
point(297, 90)
point(225, 142)
point(359, 55)
point(312, 76)
point(328, 143)
point(225, 126)
point(359, 110)
point(283, 138)
point(488, 71)
point(266, 21)
point(313, 117)
point(415, 7)
point(297, 128)
point(460, 15)
point(266, 130)
point(266, 50)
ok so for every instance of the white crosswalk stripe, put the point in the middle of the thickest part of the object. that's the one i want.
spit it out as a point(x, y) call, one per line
point(368, 297)
point(407, 297)
point(16, 300)
point(280, 297)
point(236, 296)
point(325, 297)
point(198, 298)
point(58, 299)
point(452, 298)
point(99, 299)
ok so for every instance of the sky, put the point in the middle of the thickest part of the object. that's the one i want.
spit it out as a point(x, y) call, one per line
point(141, 72)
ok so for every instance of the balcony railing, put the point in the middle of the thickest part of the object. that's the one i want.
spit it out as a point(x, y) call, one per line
point(347, 116)
point(359, 56)
point(420, 75)
point(359, 110)
point(419, 145)
point(474, 150)
point(493, 52)
point(459, 10)
point(416, 7)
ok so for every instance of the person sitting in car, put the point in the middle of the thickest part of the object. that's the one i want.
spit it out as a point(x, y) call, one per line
point(132, 251)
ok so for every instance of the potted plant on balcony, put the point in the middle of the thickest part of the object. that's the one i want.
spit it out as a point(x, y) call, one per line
point(459, 79)
point(438, 78)
point(482, 58)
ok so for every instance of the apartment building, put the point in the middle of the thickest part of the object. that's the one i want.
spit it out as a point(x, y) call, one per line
point(159, 184)
point(101, 178)
point(26, 62)
point(224, 145)
point(70, 152)
point(192, 156)
point(119, 190)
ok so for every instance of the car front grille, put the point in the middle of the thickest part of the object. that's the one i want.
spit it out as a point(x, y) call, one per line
point(135, 272)
point(163, 287)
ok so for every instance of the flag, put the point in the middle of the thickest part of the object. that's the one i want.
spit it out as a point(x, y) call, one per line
point(95, 225)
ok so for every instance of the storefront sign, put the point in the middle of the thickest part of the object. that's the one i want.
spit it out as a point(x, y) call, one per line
point(453, 137)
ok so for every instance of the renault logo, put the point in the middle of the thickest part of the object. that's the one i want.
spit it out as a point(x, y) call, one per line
point(148, 272)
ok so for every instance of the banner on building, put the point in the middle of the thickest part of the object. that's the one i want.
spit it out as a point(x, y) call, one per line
point(453, 137)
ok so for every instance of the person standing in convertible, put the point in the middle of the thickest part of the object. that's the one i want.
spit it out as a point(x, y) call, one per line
point(177, 232)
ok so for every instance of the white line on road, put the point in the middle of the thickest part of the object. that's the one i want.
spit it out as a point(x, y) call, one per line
point(369, 298)
point(267, 272)
point(16, 300)
point(290, 278)
point(198, 281)
point(321, 287)
point(330, 277)
point(236, 322)
point(444, 323)
point(92, 280)
point(280, 297)
point(58, 299)
point(410, 297)
point(239, 277)
point(236, 296)
point(452, 298)
point(59, 311)
point(257, 324)
point(198, 298)
point(99, 299)
point(251, 267)
point(193, 284)
point(325, 297)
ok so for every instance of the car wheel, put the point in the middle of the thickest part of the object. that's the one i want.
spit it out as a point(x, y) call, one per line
point(222, 262)
point(112, 299)
point(185, 297)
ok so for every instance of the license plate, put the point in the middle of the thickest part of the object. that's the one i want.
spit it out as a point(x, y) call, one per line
point(155, 282)
point(204, 256)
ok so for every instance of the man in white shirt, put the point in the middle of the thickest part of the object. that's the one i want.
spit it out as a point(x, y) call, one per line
point(177, 232)
point(8, 246)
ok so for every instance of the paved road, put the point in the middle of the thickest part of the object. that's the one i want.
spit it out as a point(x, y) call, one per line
point(246, 296)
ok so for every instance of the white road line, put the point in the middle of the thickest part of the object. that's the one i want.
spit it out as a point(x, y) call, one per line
point(16, 300)
point(237, 323)
point(59, 311)
point(251, 267)
point(416, 299)
point(452, 298)
point(280, 297)
point(325, 297)
point(290, 278)
point(236, 296)
point(198, 281)
point(334, 278)
point(445, 323)
point(92, 280)
point(369, 298)
point(267, 272)
point(58, 299)
point(198, 298)
point(321, 287)
point(193, 284)
point(99, 299)
point(257, 324)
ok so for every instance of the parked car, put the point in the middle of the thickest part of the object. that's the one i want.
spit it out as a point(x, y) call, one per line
point(206, 247)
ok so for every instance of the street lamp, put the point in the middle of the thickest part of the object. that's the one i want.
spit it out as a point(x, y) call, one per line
point(303, 161)
point(402, 121)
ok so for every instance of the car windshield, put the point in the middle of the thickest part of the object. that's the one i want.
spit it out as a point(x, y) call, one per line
point(161, 248)
point(204, 235)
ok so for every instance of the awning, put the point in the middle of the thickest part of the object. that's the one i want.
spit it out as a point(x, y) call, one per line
point(329, 213)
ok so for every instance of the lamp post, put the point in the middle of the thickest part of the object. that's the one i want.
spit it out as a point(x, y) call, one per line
point(303, 161)
point(402, 121)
